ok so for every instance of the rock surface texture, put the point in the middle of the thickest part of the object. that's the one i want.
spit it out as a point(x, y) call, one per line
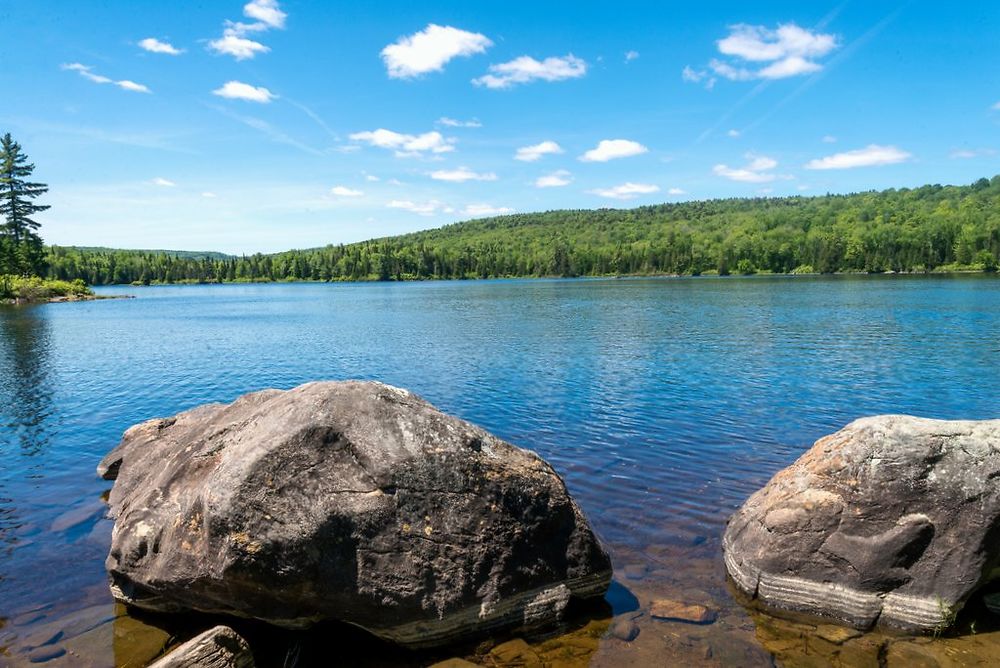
point(349, 501)
point(893, 520)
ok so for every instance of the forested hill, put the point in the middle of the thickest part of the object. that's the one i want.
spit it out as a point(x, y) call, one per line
point(191, 255)
point(932, 228)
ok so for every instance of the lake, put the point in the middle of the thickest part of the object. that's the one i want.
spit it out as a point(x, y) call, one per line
point(663, 403)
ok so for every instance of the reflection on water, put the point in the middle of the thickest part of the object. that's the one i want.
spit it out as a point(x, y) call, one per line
point(24, 384)
point(663, 403)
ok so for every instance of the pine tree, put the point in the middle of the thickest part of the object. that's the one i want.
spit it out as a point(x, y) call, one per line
point(22, 247)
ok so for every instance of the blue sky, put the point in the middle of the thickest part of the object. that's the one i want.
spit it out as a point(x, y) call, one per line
point(280, 124)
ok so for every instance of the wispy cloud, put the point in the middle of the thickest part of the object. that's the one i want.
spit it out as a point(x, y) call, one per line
point(872, 155)
point(162, 182)
point(406, 145)
point(430, 50)
point(757, 170)
point(536, 151)
point(273, 133)
point(969, 153)
point(733, 133)
point(612, 149)
point(453, 123)
point(344, 191)
point(485, 210)
point(526, 69)
point(461, 175)
point(86, 71)
point(676, 192)
point(154, 45)
point(626, 191)
point(630, 56)
point(428, 208)
point(237, 90)
point(556, 179)
point(829, 139)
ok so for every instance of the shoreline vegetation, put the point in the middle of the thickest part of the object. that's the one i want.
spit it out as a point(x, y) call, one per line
point(931, 229)
point(33, 290)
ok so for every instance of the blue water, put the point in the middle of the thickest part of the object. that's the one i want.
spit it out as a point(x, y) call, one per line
point(663, 403)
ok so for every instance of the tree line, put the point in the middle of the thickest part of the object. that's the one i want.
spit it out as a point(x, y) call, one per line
point(931, 228)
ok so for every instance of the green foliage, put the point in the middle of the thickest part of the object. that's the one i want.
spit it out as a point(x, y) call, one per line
point(21, 249)
point(932, 228)
point(33, 288)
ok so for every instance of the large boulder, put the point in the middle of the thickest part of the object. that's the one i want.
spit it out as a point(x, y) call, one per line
point(349, 501)
point(893, 520)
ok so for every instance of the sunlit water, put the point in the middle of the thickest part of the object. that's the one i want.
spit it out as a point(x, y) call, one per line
point(663, 403)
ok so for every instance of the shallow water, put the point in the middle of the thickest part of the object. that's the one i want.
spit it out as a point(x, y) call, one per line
point(663, 403)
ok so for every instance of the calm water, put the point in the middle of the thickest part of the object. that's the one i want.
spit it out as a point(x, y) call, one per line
point(663, 403)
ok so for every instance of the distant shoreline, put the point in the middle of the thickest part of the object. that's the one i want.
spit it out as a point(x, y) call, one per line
point(474, 279)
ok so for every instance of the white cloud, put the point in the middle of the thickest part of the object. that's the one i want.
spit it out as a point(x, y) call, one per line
point(209, 195)
point(405, 145)
point(676, 192)
point(789, 51)
point(871, 156)
point(631, 55)
point(234, 42)
point(611, 149)
point(626, 190)
point(757, 170)
point(829, 139)
point(238, 47)
point(344, 191)
point(461, 175)
point(154, 45)
point(422, 209)
point(162, 182)
point(452, 123)
point(482, 210)
point(371, 178)
point(526, 69)
point(86, 71)
point(536, 151)
point(733, 133)
point(757, 43)
point(133, 86)
point(966, 154)
point(237, 90)
point(996, 107)
point(554, 180)
point(266, 11)
point(430, 50)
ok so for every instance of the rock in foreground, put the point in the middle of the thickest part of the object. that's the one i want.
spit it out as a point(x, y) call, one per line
point(893, 520)
point(353, 501)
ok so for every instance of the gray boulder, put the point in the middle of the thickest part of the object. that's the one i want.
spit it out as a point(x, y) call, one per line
point(893, 520)
point(349, 501)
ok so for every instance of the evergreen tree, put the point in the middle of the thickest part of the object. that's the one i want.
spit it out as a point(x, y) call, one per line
point(21, 247)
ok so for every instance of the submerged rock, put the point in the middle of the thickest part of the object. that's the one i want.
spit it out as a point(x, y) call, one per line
point(351, 501)
point(678, 611)
point(892, 520)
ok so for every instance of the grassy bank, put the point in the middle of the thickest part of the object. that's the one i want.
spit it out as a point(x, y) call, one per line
point(33, 289)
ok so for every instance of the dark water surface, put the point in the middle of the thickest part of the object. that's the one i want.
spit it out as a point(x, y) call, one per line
point(663, 403)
